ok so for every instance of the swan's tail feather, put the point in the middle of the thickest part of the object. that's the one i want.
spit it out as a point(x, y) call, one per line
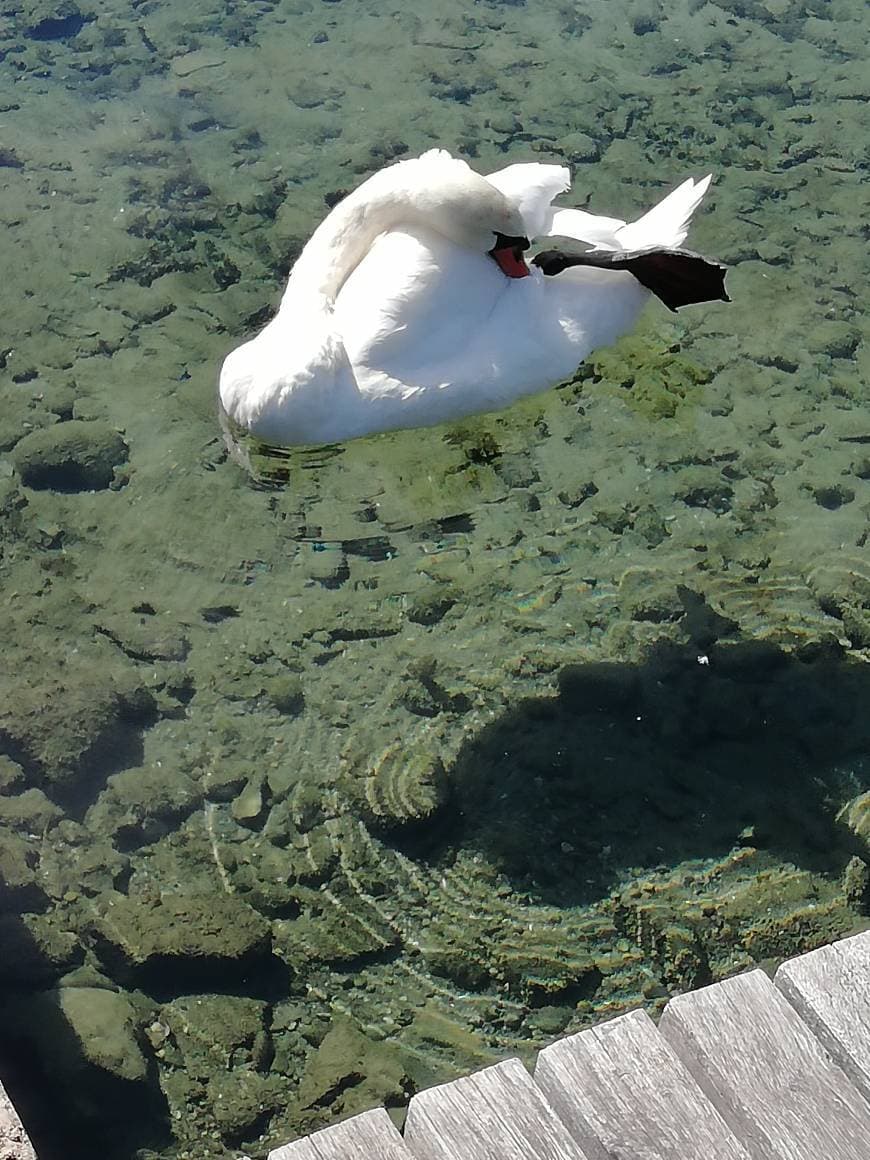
point(667, 223)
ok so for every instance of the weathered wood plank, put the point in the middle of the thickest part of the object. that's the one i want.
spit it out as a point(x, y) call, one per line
point(14, 1142)
point(830, 990)
point(497, 1114)
point(766, 1072)
point(368, 1136)
point(624, 1094)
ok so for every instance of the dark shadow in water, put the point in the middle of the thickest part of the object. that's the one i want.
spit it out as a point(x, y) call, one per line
point(644, 766)
point(71, 1109)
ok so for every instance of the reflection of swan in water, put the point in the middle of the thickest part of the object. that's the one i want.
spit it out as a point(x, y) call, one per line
point(412, 304)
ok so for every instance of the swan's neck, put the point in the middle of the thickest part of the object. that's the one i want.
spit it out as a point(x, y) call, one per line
point(342, 240)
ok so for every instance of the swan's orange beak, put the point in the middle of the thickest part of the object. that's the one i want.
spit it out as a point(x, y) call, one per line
point(508, 252)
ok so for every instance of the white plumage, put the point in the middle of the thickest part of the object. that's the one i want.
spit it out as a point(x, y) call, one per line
point(395, 314)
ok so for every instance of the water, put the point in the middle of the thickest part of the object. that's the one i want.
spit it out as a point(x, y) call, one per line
point(426, 748)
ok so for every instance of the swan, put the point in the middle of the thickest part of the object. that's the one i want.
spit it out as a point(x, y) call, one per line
point(412, 303)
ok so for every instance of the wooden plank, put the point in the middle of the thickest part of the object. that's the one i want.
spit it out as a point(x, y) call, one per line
point(766, 1072)
point(830, 990)
point(368, 1136)
point(497, 1114)
point(14, 1141)
point(624, 1094)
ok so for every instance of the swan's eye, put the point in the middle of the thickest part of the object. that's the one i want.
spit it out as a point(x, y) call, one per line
point(508, 253)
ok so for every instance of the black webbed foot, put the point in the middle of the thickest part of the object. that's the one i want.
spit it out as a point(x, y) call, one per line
point(552, 261)
point(677, 277)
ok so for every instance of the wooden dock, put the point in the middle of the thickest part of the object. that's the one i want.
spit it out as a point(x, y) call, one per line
point(14, 1142)
point(746, 1069)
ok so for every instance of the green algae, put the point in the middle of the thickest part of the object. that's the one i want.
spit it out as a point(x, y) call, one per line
point(650, 374)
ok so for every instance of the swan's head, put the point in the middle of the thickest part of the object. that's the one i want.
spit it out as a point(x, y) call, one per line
point(464, 207)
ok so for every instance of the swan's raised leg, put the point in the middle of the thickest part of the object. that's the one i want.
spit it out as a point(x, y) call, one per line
point(677, 277)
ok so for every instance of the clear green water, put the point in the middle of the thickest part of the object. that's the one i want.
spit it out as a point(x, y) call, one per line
point(315, 795)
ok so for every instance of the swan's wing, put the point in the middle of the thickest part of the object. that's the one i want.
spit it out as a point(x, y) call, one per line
point(667, 223)
point(601, 232)
point(413, 302)
point(531, 187)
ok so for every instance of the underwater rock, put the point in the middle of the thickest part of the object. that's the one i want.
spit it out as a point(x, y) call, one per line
point(579, 148)
point(404, 784)
point(141, 804)
point(143, 638)
point(105, 1025)
point(649, 595)
point(833, 338)
point(844, 591)
point(266, 876)
point(18, 418)
point(63, 730)
point(30, 811)
point(70, 457)
point(250, 806)
point(21, 887)
point(37, 948)
point(185, 935)
point(76, 1029)
point(57, 398)
point(11, 775)
point(855, 816)
point(243, 1102)
point(856, 884)
point(432, 604)
point(349, 1073)
point(215, 1033)
point(54, 20)
point(339, 928)
point(286, 694)
point(74, 862)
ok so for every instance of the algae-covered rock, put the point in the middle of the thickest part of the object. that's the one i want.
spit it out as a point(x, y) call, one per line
point(286, 694)
point(404, 784)
point(249, 807)
point(855, 816)
point(432, 604)
point(856, 884)
point(242, 1102)
point(349, 1073)
point(142, 804)
point(62, 729)
point(266, 876)
point(106, 1027)
point(30, 811)
point(36, 949)
point(79, 1028)
point(192, 934)
point(71, 456)
point(20, 884)
point(217, 1033)
point(11, 775)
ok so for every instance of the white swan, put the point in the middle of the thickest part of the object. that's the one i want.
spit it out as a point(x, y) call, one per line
point(411, 304)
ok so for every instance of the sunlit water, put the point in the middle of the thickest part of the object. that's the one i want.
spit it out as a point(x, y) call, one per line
point(409, 754)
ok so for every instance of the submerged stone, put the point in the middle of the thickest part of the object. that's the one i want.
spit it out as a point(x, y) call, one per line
point(104, 1023)
point(190, 934)
point(70, 457)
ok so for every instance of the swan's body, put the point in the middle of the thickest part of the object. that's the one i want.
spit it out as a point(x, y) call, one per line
point(395, 314)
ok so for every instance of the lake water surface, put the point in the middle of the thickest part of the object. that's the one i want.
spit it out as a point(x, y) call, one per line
point(428, 748)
